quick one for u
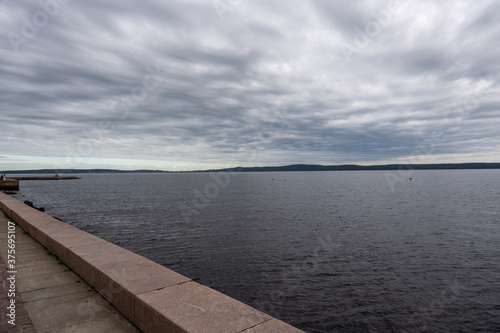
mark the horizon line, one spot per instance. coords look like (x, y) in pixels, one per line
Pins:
(299, 165)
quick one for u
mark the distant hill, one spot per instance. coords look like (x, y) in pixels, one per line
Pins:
(353, 167)
(295, 167)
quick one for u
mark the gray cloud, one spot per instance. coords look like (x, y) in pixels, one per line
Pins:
(268, 84)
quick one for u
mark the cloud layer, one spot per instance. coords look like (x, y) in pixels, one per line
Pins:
(199, 84)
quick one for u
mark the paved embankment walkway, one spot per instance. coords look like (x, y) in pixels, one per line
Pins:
(50, 297)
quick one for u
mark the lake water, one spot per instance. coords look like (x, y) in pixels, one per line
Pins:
(323, 251)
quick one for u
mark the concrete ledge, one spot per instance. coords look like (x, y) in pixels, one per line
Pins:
(4, 207)
(191, 307)
(153, 297)
(9, 203)
(60, 240)
(123, 281)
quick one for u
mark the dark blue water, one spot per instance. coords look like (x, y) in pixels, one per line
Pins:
(324, 251)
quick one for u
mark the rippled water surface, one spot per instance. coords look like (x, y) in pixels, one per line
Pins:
(324, 251)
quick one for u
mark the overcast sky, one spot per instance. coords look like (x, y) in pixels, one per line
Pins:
(197, 84)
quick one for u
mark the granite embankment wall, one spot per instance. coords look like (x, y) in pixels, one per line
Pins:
(153, 297)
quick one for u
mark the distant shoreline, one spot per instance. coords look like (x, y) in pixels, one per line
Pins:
(295, 167)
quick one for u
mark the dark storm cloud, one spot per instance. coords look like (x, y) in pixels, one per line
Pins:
(318, 82)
